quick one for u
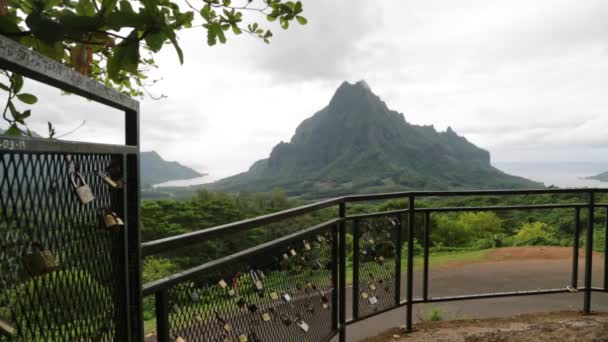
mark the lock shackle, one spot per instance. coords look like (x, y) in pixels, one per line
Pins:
(106, 211)
(74, 176)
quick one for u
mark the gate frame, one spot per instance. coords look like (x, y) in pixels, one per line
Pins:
(17, 58)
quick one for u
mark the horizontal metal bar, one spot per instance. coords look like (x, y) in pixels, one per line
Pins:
(376, 214)
(40, 145)
(29, 63)
(177, 278)
(177, 241)
(451, 193)
(506, 207)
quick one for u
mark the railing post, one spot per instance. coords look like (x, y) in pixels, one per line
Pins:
(132, 197)
(606, 252)
(575, 247)
(342, 277)
(334, 278)
(356, 251)
(425, 274)
(399, 244)
(410, 261)
(162, 316)
(589, 254)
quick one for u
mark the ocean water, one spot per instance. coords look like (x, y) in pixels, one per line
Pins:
(561, 174)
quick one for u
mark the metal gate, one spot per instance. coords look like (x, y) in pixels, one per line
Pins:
(66, 259)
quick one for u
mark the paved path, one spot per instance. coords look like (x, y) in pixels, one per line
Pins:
(490, 277)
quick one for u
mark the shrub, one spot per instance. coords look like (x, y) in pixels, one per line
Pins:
(535, 234)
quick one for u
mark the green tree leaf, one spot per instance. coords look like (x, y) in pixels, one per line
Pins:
(125, 57)
(27, 98)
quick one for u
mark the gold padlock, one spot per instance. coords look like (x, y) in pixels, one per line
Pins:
(40, 261)
(110, 221)
(82, 189)
(179, 339)
(7, 329)
(243, 338)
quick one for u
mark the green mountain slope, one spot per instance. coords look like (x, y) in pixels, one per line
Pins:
(602, 177)
(356, 144)
(154, 169)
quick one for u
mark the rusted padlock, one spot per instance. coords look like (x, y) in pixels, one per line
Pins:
(7, 329)
(82, 189)
(110, 221)
(40, 261)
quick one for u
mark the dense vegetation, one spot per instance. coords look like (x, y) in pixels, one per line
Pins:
(449, 231)
(357, 144)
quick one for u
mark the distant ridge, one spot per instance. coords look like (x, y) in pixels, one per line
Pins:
(356, 144)
(155, 170)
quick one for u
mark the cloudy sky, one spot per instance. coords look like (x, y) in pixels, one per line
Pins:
(526, 80)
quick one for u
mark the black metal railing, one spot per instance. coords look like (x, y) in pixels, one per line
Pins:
(379, 281)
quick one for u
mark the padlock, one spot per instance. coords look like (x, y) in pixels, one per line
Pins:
(241, 302)
(194, 296)
(256, 281)
(231, 292)
(176, 309)
(107, 179)
(373, 300)
(274, 295)
(364, 295)
(243, 338)
(380, 259)
(223, 284)
(40, 261)
(82, 189)
(303, 325)
(110, 221)
(226, 325)
(293, 252)
(266, 317)
(306, 245)
(286, 319)
(7, 329)
(372, 287)
(286, 297)
(285, 256)
(179, 339)
(252, 308)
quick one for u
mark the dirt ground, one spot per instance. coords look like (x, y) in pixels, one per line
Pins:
(561, 326)
(503, 269)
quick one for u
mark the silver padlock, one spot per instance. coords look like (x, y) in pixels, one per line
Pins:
(82, 189)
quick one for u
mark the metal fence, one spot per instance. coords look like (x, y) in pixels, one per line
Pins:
(69, 215)
(371, 277)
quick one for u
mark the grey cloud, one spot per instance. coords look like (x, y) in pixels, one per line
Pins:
(323, 49)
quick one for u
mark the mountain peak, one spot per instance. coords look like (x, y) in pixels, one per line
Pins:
(349, 94)
(357, 144)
